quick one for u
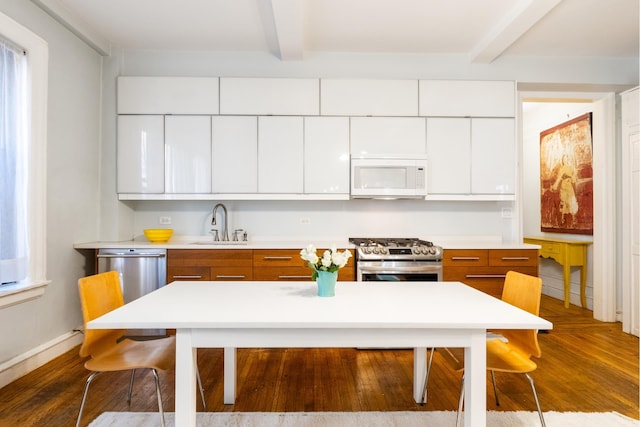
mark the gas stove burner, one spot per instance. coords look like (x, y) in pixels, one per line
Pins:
(411, 249)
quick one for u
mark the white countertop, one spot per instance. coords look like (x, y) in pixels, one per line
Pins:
(206, 242)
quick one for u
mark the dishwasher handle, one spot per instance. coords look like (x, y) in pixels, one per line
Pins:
(131, 255)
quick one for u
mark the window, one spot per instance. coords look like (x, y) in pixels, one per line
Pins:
(23, 123)
(14, 144)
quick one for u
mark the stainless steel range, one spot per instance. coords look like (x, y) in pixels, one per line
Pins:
(397, 259)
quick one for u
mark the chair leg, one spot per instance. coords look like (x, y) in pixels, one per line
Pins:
(426, 377)
(133, 373)
(535, 396)
(495, 389)
(204, 404)
(460, 402)
(84, 395)
(155, 375)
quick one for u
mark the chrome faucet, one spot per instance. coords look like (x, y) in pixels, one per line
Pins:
(225, 231)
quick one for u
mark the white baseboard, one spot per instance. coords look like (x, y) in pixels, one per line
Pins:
(24, 363)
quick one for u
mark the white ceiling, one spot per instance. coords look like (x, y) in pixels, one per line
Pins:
(294, 29)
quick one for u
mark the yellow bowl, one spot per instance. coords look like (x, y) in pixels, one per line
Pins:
(157, 235)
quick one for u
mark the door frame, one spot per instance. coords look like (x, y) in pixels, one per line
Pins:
(605, 229)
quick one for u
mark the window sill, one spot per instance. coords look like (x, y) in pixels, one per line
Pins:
(17, 293)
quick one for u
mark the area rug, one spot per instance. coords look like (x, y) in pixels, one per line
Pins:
(368, 419)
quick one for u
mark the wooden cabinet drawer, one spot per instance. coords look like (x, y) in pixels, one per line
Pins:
(513, 257)
(275, 273)
(487, 279)
(465, 257)
(231, 273)
(187, 273)
(277, 258)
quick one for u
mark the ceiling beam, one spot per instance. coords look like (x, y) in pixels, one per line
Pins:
(282, 21)
(78, 27)
(524, 15)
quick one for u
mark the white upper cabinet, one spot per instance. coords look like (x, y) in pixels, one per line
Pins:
(235, 154)
(493, 170)
(280, 142)
(167, 95)
(187, 154)
(388, 135)
(367, 97)
(269, 96)
(471, 159)
(140, 154)
(448, 156)
(326, 155)
(464, 98)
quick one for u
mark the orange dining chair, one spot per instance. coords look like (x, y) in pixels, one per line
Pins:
(508, 350)
(513, 352)
(108, 350)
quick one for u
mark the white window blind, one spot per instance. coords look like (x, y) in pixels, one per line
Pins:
(14, 166)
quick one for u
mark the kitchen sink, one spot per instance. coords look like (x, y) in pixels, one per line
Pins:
(220, 242)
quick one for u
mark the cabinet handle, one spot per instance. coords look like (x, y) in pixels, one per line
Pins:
(187, 277)
(293, 277)
(277, 258)
(230, 277)
(486, 276)
(515, 258)
(465, 258)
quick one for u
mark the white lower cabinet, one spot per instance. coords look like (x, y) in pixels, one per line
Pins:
(187, 154)
(280, 155)
(326, 155)
(234, 154)
(471, 158)
(140, 154)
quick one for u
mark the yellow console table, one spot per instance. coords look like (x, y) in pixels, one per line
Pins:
(567, 253)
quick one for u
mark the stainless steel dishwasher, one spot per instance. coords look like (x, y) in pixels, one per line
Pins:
(141, 271)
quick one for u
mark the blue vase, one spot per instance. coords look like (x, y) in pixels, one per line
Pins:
(327, 283)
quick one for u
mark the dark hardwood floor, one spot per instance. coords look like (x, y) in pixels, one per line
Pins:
(586, 366)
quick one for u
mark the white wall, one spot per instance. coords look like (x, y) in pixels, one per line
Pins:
(73, 136)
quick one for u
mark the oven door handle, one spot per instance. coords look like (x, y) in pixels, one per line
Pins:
(400, 270)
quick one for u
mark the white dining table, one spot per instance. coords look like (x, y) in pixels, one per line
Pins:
(232, 315)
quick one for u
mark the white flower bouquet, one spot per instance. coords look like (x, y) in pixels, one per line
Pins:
(331, 260)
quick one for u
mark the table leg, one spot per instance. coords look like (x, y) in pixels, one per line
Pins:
(230, 375)
(567, 283)
(186, 359)
(419, 372)
(475, 381)
(583, 280)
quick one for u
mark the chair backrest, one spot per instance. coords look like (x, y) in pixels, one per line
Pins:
(524, 292)
(99, 294)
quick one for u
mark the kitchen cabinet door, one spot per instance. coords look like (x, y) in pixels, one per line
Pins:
(493, 156)
(280, 142)
(140, 154)
(234, 154)
(167, 95)
(269, 96)
(188, 154)
(326, 155)
(388, 135)
(449, 156)
(369, 97)
(467, 98)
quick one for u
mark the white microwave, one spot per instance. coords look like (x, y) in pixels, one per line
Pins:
(389, 177)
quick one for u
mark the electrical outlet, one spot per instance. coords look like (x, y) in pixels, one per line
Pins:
(305, 221)
(165, 220)
(507, 213)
